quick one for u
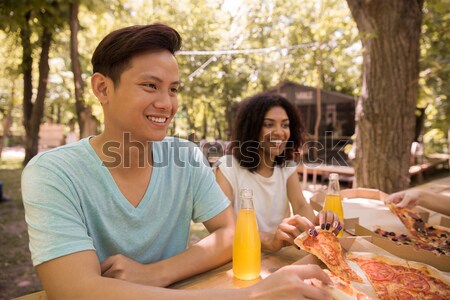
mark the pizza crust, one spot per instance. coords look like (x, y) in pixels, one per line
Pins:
(380, 258)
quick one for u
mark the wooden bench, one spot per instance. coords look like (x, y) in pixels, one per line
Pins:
(347, 173)
(430, 163)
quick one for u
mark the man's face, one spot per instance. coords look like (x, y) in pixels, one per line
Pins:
(144, 102)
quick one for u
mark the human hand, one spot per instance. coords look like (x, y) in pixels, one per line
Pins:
(288, 230)
(121, 267)
(329, 220)
(404, 199)
(291, 282)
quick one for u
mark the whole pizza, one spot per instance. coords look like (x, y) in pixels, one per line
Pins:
(399, 279)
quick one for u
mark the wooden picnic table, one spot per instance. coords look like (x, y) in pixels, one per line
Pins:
(369, 212)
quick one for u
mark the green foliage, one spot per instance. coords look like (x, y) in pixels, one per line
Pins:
(435, 74)
(320, 31)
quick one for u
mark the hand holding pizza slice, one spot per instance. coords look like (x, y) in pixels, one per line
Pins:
(328, 249)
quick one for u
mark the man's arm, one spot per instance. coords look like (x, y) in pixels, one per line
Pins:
(77, 276)
(212, 251)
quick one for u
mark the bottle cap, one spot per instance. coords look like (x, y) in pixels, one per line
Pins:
(333, 176)
(246, 193)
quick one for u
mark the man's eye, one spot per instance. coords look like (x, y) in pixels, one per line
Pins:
(174, 90)
(150, 85)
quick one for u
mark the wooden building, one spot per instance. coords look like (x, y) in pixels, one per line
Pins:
(338, 110)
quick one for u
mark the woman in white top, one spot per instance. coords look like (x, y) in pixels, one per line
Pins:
(266, 137)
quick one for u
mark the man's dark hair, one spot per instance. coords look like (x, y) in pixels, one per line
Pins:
(248, 124)
(112, 56)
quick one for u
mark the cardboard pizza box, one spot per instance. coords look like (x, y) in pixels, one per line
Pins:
(445, 221)
(364, 211)
(407, 252)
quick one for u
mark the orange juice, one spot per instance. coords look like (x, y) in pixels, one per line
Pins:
(246, 246)
(334, 203)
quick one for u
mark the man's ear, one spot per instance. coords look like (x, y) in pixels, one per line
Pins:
(101, 86)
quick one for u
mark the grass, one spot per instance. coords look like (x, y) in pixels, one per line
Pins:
(17, 276)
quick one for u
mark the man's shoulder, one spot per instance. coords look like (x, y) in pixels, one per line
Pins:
(67, 154)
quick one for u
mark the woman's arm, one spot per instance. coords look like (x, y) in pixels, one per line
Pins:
(328, 220)
(224, 185)
(298, 202)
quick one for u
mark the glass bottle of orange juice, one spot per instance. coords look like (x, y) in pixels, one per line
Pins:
(333, 200)
(246, 244)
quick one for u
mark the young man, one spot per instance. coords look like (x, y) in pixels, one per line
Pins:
(109, 216)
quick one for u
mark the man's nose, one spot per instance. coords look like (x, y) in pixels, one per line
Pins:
(164, 101)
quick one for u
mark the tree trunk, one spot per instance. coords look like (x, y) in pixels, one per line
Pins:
(76, 69)
(385, 112)
(32, 134)
(7, 118)
(27, 68)
(318, 106)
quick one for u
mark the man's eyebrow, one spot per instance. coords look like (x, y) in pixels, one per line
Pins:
(149, 76)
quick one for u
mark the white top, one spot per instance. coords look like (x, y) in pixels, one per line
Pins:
(269, 193)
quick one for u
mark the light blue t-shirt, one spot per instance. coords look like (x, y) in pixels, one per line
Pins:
(73, 204)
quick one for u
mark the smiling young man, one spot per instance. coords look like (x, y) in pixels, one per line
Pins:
(109, 216)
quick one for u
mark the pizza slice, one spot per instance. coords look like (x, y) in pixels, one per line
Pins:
(412, 221)
(394, 278)
(328, 249)
(439, 234)
(432, 235)
(336, 293)
(346, 287)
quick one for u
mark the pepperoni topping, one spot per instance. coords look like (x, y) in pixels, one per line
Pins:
(378, 271)
(401, 295)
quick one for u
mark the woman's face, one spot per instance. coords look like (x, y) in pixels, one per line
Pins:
(275, 132)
